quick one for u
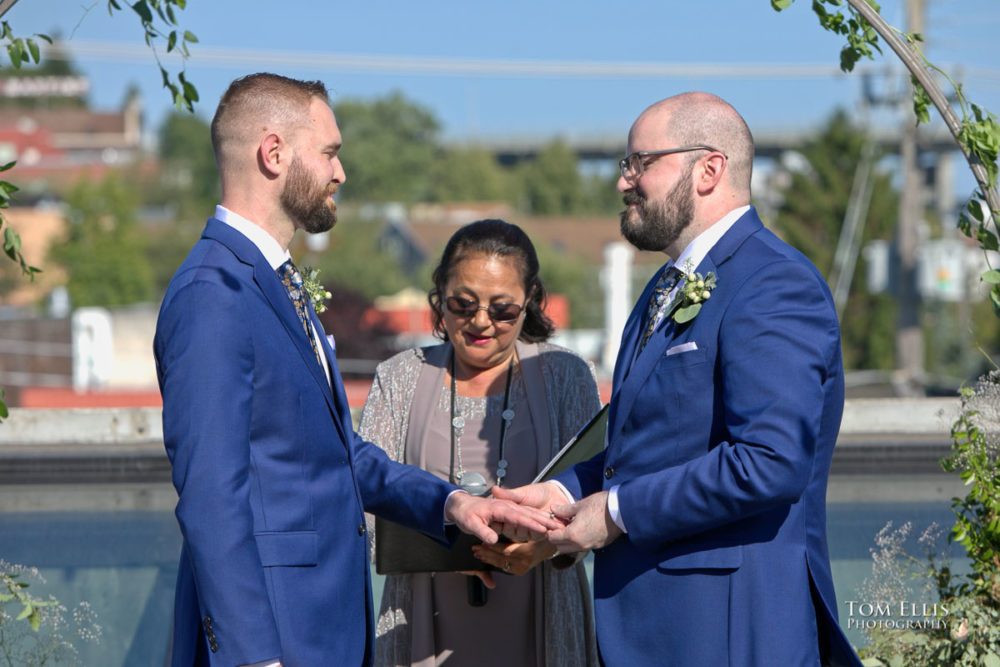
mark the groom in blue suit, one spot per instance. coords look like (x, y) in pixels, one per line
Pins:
(706, 511)
(272, 481)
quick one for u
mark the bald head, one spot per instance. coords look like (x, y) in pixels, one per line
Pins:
(254, 105)
(692, 119)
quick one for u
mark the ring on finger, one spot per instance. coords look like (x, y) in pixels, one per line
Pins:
(506, 566)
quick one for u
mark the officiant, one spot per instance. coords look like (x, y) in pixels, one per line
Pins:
(490, 405)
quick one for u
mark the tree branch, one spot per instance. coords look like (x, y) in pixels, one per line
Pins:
(915, 63)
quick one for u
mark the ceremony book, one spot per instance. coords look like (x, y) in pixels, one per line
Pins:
(400, 550)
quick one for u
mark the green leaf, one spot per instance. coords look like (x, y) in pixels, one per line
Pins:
(26, 612)
(976, 209)
(35, 620)
(36, 54)
(991, 660)
(687, 313)
(190, 36)
(992, 277)
(778, 5)
(11, 241)
(171, 41)
(142, 9)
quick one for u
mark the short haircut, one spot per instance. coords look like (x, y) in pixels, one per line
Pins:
(258, 101)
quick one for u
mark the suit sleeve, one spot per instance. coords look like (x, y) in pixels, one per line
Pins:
(205, 359)
(778, 350)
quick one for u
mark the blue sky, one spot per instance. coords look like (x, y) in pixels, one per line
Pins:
(507, 43)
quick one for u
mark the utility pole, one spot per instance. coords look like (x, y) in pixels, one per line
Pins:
(909, 379)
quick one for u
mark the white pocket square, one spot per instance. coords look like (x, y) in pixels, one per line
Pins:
(683, 347)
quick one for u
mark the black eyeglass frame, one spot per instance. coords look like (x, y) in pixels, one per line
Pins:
(626, 168)
(451, 303)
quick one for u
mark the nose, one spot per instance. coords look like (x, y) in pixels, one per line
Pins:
(481, 319)
(339, 175)
(622, 185)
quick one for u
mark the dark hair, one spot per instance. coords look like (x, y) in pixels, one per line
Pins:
(495, 238)
(252, 98)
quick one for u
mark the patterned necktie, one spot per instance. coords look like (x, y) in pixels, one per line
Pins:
(292, 280)
(658, 302)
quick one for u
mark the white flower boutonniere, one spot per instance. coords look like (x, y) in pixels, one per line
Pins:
(694, 293)
(314, 289)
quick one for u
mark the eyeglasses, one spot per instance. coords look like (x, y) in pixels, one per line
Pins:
(633, 165)
(498, 312)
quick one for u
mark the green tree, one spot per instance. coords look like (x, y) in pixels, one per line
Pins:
(551, 183)
(576, 279)
(810, 218)
(186, 190)
(470, 174)
(389, 148)
(189, 175)
(355, 260)
(103, 253)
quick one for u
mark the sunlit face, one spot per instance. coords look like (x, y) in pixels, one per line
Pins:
(654, 224)
(480, 343)
(659, 204)
(314, 173)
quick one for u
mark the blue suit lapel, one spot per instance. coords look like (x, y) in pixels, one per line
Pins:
(336, 392)
(627, 347)
(277, 296)
(629, 382)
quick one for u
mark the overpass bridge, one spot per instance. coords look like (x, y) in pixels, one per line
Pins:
(770, 143)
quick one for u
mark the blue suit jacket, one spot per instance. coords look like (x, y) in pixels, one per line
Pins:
(272, 480)
(720, 435)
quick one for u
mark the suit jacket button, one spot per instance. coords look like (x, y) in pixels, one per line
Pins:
(361, 529)
(609, 472)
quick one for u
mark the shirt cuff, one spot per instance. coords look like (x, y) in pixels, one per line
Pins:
(569, 496)
(446, 522)
(613, 509)
(266, 663)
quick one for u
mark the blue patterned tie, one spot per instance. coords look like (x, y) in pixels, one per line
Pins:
(292, 280)
(658, 302)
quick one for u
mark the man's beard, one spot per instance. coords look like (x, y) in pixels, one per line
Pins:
(656, 225)
(306, 202)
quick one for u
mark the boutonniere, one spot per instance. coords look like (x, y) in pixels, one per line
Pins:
(314, 289)
(696, 290)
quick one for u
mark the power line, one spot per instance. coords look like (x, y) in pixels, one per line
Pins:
(203, 56)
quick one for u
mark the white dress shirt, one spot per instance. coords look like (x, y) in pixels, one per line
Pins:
(688, 261)
(275, 256)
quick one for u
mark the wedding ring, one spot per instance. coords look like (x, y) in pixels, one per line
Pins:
(552, 515)
(506, 566)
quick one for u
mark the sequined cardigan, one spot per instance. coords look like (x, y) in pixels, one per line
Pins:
(572, 399)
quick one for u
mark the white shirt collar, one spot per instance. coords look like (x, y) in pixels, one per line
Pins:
(270, 248)
(700, 246)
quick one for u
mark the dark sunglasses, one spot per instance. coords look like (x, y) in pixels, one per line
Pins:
(498, 312)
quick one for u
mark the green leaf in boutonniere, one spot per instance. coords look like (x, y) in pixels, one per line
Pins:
(314, 289)
(696, 291)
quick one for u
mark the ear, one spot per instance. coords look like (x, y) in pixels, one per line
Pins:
(272, 154)
(710, 172)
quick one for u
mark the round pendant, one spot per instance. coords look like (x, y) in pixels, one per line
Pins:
(502, 464)
(458, 421)
(501, 473)
(508, 414)
(474, 483)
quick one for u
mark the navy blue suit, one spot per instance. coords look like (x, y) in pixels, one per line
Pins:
(720, 435)
(272, 480)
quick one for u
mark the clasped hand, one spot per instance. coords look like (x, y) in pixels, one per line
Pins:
(583, 525)
(486, 517)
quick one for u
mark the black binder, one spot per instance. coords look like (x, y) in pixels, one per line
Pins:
(400, 550)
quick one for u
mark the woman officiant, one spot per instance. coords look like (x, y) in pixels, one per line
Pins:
(489, 405)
